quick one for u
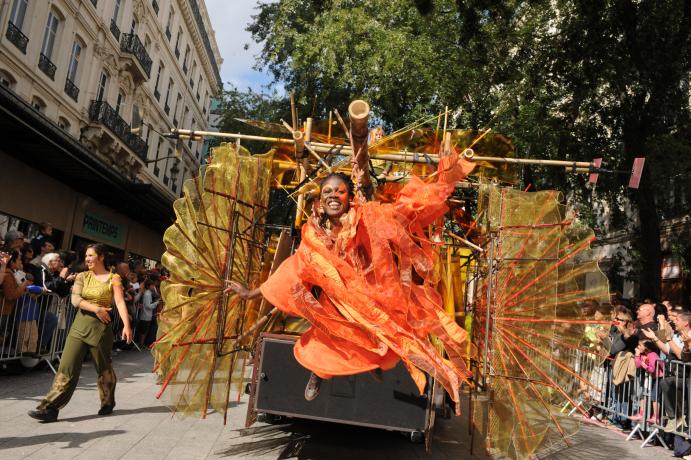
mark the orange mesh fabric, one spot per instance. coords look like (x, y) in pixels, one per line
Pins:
(377, 278)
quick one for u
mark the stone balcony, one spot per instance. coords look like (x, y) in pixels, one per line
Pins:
(135, 58)
(112, 136)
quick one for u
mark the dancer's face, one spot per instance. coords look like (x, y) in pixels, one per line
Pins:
(334, 197)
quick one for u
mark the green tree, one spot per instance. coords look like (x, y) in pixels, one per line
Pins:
(566, 79)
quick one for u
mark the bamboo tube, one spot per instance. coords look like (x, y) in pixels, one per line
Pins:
(446, 149)
(298, 137)
(308, 130)
(358, 111)
(306, 146)
(303, 174)
(571, 169)
(466, 242)
(328, 136)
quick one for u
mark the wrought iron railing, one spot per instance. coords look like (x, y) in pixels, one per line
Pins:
(71, 89)
(102, 112)
(47, 66)
(154, 3)
(16, 37)
(130, 43)
(114, 29)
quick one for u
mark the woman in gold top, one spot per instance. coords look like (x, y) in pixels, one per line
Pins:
(92, 295)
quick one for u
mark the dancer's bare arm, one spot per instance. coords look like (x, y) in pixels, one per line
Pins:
(242, 291)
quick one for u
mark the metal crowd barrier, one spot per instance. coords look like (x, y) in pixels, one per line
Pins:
(652, 404)
(34, 326)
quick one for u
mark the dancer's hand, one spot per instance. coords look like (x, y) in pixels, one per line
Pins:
(127, 334)
(237, 288)
(103, 314)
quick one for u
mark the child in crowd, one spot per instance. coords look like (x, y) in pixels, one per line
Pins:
(29, 311)
(147, 311)
(647, 357)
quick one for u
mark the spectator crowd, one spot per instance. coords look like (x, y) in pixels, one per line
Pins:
(34, 273)
(644, 379)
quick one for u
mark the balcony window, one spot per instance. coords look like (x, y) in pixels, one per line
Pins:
(114, 29)
(16, 37)
(18, 13)
(49, 35)
(75, 55)
(131, 44)
(47, 66)
(101, 112)
(71, 89)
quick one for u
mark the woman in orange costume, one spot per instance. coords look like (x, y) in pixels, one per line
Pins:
(376, 300)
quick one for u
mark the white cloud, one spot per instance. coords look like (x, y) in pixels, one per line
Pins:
(229, 19)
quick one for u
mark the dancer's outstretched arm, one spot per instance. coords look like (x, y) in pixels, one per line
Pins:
(243, 292)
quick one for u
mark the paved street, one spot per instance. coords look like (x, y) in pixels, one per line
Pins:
(142, 427)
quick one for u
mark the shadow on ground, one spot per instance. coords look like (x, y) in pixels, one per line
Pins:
(72, 439)
(305, 439)
(117, 412)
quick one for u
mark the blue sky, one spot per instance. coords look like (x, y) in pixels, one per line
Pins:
(229, 19)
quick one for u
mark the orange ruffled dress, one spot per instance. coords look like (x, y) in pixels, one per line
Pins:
(377, 277)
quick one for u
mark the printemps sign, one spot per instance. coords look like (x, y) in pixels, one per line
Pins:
(102, 229)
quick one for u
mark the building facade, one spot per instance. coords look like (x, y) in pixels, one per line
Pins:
(215, 122)
(88, 88)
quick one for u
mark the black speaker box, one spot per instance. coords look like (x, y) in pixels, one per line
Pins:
(389, 400)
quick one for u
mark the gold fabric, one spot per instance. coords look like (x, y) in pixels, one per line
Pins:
(545, 272)
(201, 353)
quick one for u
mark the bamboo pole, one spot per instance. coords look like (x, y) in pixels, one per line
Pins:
(358, 111)
(398, 156)
(343, 125)
(293, 111)
(303, 174)
(446, 119)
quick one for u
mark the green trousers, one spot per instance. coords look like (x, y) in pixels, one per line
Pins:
(71, 366)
